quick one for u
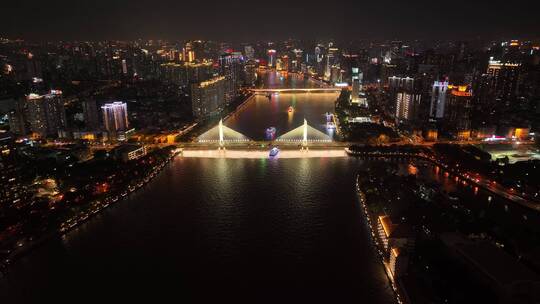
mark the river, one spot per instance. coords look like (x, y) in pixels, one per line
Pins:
(247, 230)
(256, 228)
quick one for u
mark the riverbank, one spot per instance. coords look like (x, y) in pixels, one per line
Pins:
(397, 287)
(465, 178)
(92, 209)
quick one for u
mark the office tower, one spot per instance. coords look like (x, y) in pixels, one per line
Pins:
(271, 58)
(90, 113)
(457, 113)
(504, 80)
(45, 113)
(250, 73)
(438, 99)
(356, 84)
(348, 62)
(189, 53)
(18, 123)
(298, 60)
(331, 61)
(124, 67)
(279, 64)
(231, 68)
(282, 63)
(249, 51)
(336, 75)
(33, 67)
(208, 98)
(115, 117)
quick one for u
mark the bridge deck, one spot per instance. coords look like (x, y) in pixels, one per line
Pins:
(296, 90)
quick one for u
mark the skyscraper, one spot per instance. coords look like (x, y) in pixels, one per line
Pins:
(438, 99)
(90, 113)
(504, 79)
(457, 114)
(356, 84)
(407, 104)
(231, 68)
(208, 98)
(18, 123)
(250, 73)
(249, 51)
(45, 113)
(331, 61)
(115, 117)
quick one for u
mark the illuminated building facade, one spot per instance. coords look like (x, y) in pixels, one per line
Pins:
(504, 80)
(356, 84)
(115, 117)
(457, 114)
(250, 73)
(231, 68)
(45, 113)
(407, 104)
(208, 98)
(249, 51)
(183, 74)
(396, 241)
(438, 99)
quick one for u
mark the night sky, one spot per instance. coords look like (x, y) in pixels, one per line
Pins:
(240, 20)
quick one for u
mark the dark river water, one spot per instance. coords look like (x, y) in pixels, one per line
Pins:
(250, 230)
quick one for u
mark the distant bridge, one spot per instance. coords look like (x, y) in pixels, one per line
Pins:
(295, 90)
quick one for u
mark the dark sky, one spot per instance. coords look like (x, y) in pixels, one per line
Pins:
(240, 20)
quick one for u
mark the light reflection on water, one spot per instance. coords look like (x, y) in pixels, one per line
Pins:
(263, 112)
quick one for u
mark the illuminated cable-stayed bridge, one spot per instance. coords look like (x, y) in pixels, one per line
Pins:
(297, 90)
(304, 135)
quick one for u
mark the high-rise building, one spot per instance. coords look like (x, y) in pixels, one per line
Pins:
(438, 99)
(90, 114)
(249, 51)
(271, 58)
(18, 124)
(457, 114)
(115, 117)
(45, 113)
(331, 61)
(297, 61)
(356, 84)
(407, 104)
(504, 79)
(208, 98)
(250, 73)
(189, 53)
(336, 74)
(231, 68)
